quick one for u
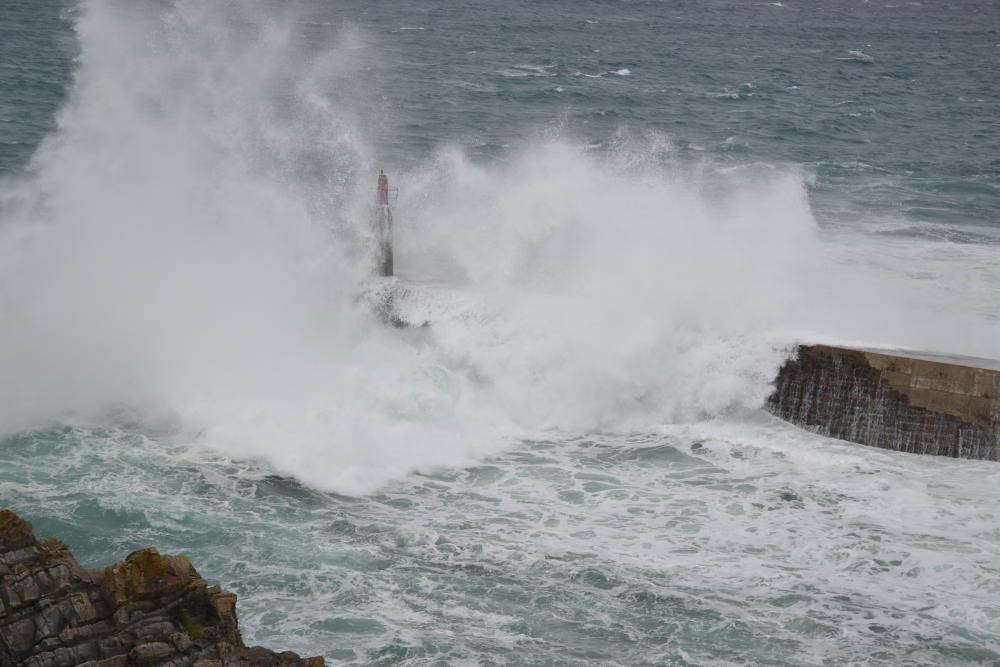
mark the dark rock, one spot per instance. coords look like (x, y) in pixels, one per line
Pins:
(15, 532)
(149, 609)
(904, 401)
(150, 654)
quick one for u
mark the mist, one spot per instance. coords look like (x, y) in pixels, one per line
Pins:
(189, 247)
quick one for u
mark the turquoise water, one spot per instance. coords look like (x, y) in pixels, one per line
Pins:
(725, 544)
(616, 217)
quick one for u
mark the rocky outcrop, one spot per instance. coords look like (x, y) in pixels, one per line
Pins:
(149, 609)
(904, 401)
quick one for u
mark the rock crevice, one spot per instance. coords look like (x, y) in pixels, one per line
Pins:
(149, 609)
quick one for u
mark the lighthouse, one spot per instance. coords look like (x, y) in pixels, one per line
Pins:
(382, 228)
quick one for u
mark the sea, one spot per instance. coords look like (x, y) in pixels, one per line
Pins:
(614, 220)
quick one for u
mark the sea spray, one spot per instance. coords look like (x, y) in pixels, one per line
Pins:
(191, 252)
(613, 280)
(588, 259)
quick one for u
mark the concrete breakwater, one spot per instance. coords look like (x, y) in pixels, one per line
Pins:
(916, 402)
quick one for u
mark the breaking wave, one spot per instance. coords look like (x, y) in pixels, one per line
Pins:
(186, 251)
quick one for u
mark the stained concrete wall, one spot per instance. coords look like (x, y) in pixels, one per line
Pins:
(916, 402)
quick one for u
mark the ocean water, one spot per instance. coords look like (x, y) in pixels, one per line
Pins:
(617, 219)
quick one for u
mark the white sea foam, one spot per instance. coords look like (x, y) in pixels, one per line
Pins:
(784, 541)
(859, 56)
(520, 71)
(175, 255)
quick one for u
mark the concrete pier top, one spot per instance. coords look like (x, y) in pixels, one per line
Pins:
(914, 401)
(936, 357)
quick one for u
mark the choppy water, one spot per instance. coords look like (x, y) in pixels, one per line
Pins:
(740, 543)
(617, 215)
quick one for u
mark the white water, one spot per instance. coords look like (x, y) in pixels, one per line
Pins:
(725, 543)
(188, 249)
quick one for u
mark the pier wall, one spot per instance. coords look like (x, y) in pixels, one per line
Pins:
(904, 401)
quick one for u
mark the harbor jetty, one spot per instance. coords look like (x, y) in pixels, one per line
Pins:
(906, 401)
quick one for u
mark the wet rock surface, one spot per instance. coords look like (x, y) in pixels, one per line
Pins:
(149, 609)
(909, 402)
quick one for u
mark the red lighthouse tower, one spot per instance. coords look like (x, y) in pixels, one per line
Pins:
(382, 223)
